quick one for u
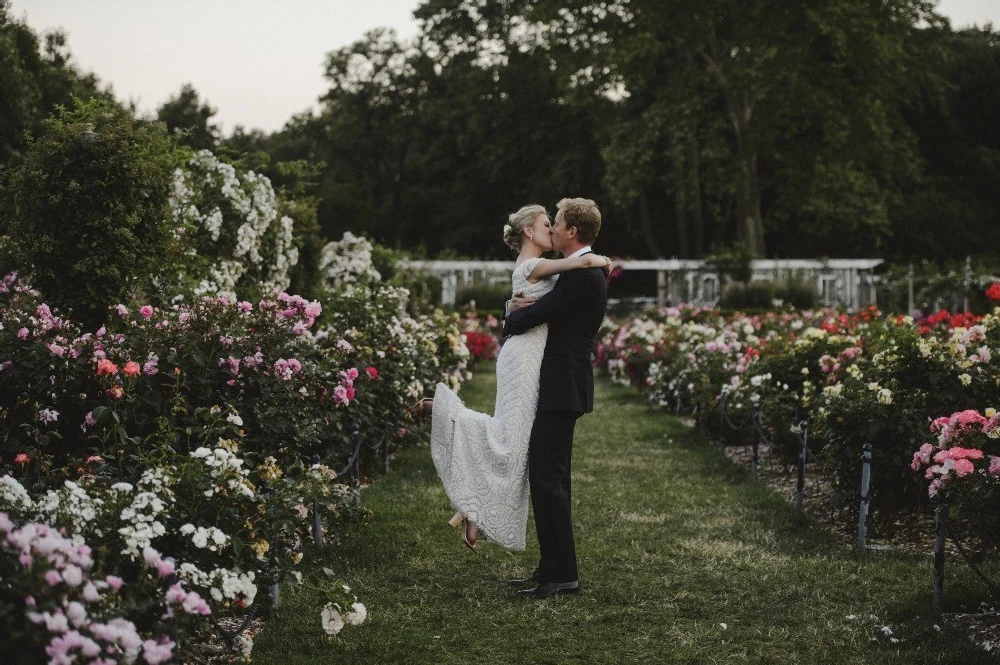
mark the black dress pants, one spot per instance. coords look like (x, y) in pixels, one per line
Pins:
(550, 451)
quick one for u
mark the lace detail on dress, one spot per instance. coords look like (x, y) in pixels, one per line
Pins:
(483, 460)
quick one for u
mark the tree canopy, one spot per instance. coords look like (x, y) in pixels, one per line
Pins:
(821, 129)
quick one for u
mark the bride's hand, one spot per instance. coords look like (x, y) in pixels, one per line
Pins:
(600, 261)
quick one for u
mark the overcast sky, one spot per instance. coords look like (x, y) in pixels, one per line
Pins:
(256, 61)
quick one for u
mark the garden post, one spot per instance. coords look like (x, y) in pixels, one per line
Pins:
(722, 417)
(356, 467)
(275, 594)
(800, 481)
(755, 446)
(909, 290)
(317, 523)
(967, 282)
(940, 517)
(661, 288)
(866, 470)
(385, 451)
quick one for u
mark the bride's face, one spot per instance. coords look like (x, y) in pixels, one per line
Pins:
(540, 232)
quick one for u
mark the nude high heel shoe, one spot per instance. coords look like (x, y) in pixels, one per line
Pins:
(469, 532)
(421, 408)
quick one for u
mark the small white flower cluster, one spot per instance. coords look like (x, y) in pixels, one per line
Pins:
(346, 264)
(225, 467)
(73, 506)
(13, 497)
(211, 538)
(262, 244)
(222, 584)
(334, 618)
(141, 523)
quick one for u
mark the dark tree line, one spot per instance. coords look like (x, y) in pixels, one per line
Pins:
(827, 128)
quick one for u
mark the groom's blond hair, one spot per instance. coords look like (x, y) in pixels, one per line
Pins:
(584, 215)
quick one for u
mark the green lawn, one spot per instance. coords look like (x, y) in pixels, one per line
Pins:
(683, 559)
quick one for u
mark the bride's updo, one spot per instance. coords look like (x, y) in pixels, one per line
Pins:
(517, 222)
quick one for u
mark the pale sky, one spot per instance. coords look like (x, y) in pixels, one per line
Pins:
(257, 62)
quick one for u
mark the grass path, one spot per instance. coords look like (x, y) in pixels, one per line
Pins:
(683, 559)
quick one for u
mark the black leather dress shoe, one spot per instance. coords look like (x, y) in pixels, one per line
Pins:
(533, 577)
(551, 589)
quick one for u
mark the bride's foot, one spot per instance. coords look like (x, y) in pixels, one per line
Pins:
(469, 531)
(470, 536)
(422, 408)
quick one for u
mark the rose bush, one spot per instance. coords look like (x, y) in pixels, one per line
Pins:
(962, 465)
(180, 439)
(854, 379)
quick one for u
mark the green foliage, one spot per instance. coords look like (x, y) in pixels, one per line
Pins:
(486, 297)
(89, 204)
(34, 80)
(189, 119)
(765, 295)
(939, 285)
(732, 263)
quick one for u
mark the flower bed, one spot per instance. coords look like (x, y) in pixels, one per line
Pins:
(158, 471)
(853, 379)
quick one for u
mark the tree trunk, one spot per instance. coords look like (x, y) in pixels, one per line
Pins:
(680, 209)
(697, 210)
(646, 224)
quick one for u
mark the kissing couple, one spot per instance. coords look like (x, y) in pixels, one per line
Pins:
(491, 464)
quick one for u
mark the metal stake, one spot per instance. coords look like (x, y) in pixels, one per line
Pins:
(866, 470)
(800, 483)
(940, 517)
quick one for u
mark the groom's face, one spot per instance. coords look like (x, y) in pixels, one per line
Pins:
(561, 236)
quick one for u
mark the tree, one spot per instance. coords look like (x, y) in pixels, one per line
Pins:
(89, 203)
(784, 115)
(190, 119)
(33, 81)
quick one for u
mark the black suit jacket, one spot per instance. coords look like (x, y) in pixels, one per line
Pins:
(574, 310)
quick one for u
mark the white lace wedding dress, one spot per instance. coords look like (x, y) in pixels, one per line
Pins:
(483, 460)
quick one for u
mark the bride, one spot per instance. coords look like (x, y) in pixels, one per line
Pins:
(481, 459)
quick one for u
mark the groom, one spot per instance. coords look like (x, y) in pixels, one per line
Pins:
(574, 310)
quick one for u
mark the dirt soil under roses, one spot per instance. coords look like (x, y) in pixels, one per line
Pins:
(913, 533)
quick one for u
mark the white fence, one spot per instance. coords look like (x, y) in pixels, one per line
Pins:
(848, 283)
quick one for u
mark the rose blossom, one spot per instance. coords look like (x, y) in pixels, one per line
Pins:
(994, 466)
(106, 368)
(146, 311)
(131, 368)
(963, 467)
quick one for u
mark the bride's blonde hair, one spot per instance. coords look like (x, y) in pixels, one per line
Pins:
(517, 222)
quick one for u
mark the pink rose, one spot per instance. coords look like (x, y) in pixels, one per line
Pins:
(22, 334)
(22, 458)
(963, 467)
(994, 466)
(146, 311)
(131, 368)
(106, 368)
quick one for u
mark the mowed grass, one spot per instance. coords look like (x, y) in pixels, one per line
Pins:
(683, 559)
